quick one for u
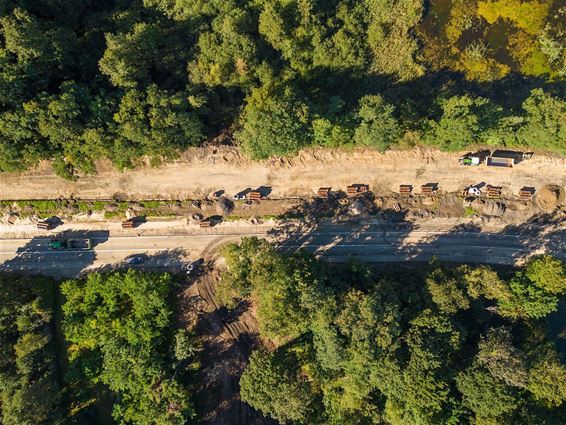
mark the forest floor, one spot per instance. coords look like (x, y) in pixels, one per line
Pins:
(202, 171)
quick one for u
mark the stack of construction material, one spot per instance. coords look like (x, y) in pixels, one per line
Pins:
(526, 193)
(44, 225)
(128, 224)
(355, 189)
(254, 195)
(428, 189)
(494, 191)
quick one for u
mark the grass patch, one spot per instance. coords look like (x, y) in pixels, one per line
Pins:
(84, 207)
(469, 211)
(151, 204)
(260, 217)
(99, 206)
(113, 214)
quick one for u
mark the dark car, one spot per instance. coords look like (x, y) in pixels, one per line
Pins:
(135, 259)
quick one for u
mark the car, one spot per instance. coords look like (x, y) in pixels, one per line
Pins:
(239, 197)
(135, 259)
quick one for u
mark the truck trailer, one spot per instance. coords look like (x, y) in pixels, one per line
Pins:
(498, 161)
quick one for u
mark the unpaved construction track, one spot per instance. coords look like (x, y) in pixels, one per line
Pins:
(228, 340)
(201, 171)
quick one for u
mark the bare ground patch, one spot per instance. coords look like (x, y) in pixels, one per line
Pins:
(201, 171)
(228, 339)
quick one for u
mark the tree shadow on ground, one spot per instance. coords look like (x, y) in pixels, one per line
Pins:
(168, 260)
(387, 235)
(35, 257)
(417, 97)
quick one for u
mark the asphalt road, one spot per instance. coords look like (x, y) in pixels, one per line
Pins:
(338, 242)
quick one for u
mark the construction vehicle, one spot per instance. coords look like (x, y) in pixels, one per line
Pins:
(506, 158)
(469, 160)
(471, 191)
(62, 244)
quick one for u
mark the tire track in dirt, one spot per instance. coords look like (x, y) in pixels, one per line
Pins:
(228, 340)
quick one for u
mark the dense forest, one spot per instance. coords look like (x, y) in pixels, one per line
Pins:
(125, 79)
(30, 385)
(349, 344)
(114, 353)
(428, 345)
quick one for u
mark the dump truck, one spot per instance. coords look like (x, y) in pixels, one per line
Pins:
(62, 244)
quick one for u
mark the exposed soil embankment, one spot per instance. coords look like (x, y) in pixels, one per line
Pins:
(201, 171)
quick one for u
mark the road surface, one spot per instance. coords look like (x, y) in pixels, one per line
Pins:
(371, 243)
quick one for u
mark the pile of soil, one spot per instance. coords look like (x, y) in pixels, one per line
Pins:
(224, 206)
(450, 205)
(550, 197)
(488, 207)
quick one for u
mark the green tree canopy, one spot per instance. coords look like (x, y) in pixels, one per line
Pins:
(465, 121)
(392, 347)
(269, 385)
(543, 125)
(274, 125)
(378, 127)
(119, 322)
(30, 391)
(156, 123)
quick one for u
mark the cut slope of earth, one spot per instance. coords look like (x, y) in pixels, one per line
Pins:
(200, 172)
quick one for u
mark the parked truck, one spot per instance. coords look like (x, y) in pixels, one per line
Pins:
(469, 160)
(62, 244)
(497, 161)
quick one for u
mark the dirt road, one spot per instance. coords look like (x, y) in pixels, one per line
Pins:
(201, 171)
